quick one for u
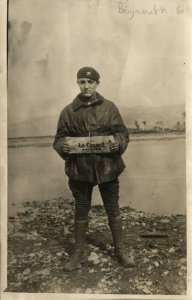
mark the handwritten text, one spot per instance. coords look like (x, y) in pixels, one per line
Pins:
(124, 8)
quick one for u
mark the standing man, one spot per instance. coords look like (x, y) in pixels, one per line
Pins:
(90, 114)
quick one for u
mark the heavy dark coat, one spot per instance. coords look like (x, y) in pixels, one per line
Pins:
(100, 118)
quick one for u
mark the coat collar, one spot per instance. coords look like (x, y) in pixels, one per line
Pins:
(78, 101)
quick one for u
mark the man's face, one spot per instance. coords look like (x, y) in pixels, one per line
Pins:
(87, 86)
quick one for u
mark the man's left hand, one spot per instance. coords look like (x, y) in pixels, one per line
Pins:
(114, 147)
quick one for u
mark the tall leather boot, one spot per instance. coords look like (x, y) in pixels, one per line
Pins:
(115, 224)
(80, 254)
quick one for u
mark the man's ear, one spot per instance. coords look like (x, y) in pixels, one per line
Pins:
(98, 82)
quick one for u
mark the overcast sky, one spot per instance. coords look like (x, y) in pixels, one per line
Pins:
(140, 57)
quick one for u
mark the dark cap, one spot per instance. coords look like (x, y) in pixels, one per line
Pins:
(88, 72)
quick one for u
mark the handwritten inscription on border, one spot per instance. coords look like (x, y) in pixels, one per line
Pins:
(125, 9)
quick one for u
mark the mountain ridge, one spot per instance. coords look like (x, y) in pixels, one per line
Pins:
(149, 117)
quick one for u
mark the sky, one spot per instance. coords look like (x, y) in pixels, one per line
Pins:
(139, 49)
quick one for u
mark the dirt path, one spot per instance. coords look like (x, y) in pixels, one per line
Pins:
(41, 240)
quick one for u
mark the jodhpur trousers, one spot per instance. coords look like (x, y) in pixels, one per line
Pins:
(82, 193)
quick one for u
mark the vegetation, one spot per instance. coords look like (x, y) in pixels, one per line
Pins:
(159, 127)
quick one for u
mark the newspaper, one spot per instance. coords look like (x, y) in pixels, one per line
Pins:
(90, 144)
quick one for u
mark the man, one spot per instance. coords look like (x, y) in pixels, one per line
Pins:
(90, 114)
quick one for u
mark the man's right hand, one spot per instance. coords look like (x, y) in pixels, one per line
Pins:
(65, 148)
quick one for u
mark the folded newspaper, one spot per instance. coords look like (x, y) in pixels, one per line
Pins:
(92, 144)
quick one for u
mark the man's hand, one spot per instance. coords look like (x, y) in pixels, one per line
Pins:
(65, 148)
(114, 147)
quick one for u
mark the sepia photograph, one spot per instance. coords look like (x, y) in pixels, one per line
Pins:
(96, 148)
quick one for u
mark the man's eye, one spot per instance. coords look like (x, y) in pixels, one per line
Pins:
(84, 82)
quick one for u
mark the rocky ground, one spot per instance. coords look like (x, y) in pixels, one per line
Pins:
(40, 241)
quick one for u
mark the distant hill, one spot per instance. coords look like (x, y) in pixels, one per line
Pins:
(42, 126)
(168, 116)
(164, 116)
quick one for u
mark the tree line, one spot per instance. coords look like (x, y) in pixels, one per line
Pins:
(160, 126)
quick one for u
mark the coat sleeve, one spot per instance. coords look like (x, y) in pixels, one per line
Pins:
(62, 133)
(119, 130)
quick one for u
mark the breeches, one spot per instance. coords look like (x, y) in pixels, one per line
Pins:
(82, 193)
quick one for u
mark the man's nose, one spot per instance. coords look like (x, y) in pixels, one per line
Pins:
(86, 84)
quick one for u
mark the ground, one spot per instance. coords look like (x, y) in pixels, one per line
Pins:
(40, 241)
